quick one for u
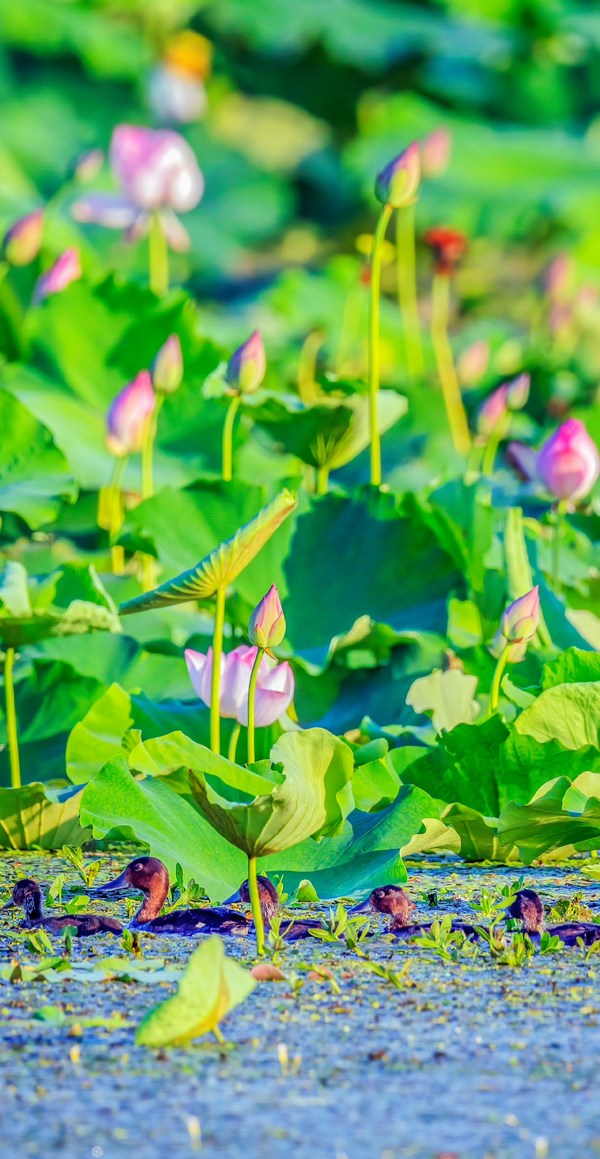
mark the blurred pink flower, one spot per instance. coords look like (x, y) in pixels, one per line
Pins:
(167, 367)
(510, 396)
(568, 463)
(398, 183)
(274, 690)
(247, 365)
(128, 414)
(66, 269)
(473, 362)
(22, 242)
(435, 152)
(158, 173)
(267, 622)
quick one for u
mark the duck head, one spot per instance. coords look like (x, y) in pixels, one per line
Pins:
(148, 875)
(392, 900)
(528, 909)
(268, 896)
(27, 893)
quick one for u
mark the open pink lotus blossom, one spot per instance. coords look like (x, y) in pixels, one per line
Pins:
(568, 463)
(66, 269)
(129, 412)
(158, 174)
(274, 690)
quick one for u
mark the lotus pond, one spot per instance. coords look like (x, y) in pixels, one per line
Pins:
(299, 572)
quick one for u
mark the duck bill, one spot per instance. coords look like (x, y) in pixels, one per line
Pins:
(8, 905)
(234, 897)
(361, 907)
(119, 882)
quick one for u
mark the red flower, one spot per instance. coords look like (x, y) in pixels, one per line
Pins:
(448, 247)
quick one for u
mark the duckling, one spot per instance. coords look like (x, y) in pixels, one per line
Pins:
(28, 894)
(528, 909)
(269, 904)
(151, 877)
(393, 900)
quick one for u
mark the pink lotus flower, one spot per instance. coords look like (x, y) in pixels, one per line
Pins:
(128, 415)
(158, 173)
(66, 269)
(435, 152)
(247, 365)
(274, 690)
(267, 622)
(167, 368)
(494, 412)
(398, 184)
(568, 463)
(22, 242)
(518, 626)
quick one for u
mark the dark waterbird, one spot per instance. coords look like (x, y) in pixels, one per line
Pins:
(150, 877)
(28, 894)
(395, 902)
(270, 905)
(527, 908)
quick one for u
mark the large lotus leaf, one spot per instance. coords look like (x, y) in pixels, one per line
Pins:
(69, 601)
(41, 817)
(477, 835)
(526, 764)
(223, 565)
(150, 812)
(568, 713)
(312, 798)
(35, 477)
(573, 666)
(464, 767)
(329, 432)
(449, 696)
(211, 986)
(564, 814)
(165, 754)
(363, 557)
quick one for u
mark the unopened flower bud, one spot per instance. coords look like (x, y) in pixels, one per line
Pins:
(247, 365)
(267, 622)
(398, 184)
(22, 242)
(167, 368)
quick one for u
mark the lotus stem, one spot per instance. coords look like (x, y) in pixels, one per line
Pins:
(150, 430)
(407, 289)
(232, 410)
(488, 461)
(557, 534)
(256, 910)
(159, 257)
(307, 366)
(233, 741)
(497, 680)
(322, 480)
(374, 344)
(215, 687)
(11, 719)
(251, 704)
(455, 410)
(115, 502)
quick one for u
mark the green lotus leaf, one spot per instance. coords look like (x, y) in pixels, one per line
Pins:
(34, 475)
(69, 601)
(41, 817)
(223, 565)
(563, 815)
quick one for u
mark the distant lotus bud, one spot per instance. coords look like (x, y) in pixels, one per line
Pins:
(493, 411)
(473, 362)
(129, 414)
(568, 463)
(518, 626)
(448, 247)
(66, 269)
(247, 365)
(435, 152)
(87, 166)
(167, 368)
(517, 392)
(23, 240)
(398, 184)
(559, 277)
(267, 622)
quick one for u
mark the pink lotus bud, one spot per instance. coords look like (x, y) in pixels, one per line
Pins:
(398, 184)
(473, 362)
(568, 463)
(517, 392)
(167, 368)
(435, 152)
(129, 414)
(267, 622)
(156, 168)
(22, 242)
(493, 411)
(247, 365)
(518, 626)
(274, 689)
(66, 269)
(88, 165)
(559, 277)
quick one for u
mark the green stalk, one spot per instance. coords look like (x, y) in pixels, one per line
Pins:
(11, 719)
(497, 680)
(557, 534)
(251, 703)
(215, 687)
(374, 347)
(117, 554)
(455, 410)
(148, 482)
(233, 741)
(322, 480)
(491, 450)
(407, 289)
(256, 910)
(232, 410)
(158, 257)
